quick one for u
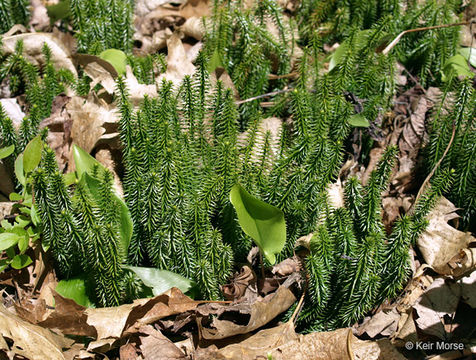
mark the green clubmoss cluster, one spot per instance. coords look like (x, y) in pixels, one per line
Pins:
(13, 12)
(102, 24)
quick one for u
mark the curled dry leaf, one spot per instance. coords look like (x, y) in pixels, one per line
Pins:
(441, 242)
(462, 263)
(33, 44)
(194, 28)
(242, 282)
(382, 323)
(335, 193)
(30, 341)
(259, 313)
(88, 116)
(438, 301)
(13, 111)
(154, 345)
(178, 64)
(143, 7)
(39, 15)
(107, 325)
(282, 343)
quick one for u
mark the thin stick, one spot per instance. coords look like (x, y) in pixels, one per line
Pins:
(298, 307)
(263, 96)
(397, 39)
(285, 76)
(430, 175)
(261, 264)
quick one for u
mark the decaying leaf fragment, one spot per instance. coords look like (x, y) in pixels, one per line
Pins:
(282, 343)
(31, 341)
(33, 45)
(441, 242)
(260, 312)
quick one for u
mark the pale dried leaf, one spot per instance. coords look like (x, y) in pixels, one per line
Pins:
(88, 117)
(383, 323)
(460, 264)
(33, 44)
(156, 346)
(39, 15)
(193, 27)
(144, 7)
(335, 194)
(30, 341)
(282, 343)
(178, 64)
(441, 242)
(437, 301)
(13, 111)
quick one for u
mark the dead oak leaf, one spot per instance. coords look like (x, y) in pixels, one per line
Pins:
(258, 313)
(440, 242)
(30, 341)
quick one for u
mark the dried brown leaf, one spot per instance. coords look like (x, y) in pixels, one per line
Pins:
(154, 345)
(282, 343)
(33, 44)
(441, 242)
(382, 323)
(30, 341)
(259, 313)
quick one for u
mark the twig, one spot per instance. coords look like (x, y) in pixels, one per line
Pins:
(298, 307)
(430, 175)
(285, 76)
(214, 301)
(273, 93)
(397, 39)
(415, 80)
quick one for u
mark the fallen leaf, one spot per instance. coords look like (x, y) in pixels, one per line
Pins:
(33, 44)
(258, 313)
(178, 64)
(287, 266)
(461, 263)
(242, 282)
(13, 111)
(282, 343)
(156, 346)
(88, 116)
(440, 242)
(30, 341)
(39, 15)
(382, 323)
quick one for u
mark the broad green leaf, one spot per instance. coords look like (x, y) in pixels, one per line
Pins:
(337, 55)
(456, 65)
(469, 54)
(263, 222)
(4, 263)
(125, 229)
(358, 120)
(7, 240)
(23, 243)
(84, 162)
(69, 178)
(59, 11)
(15, 196)
(32, 154)
(75, 289)
(215, 62)
(22, 221)
(6, 151)
(161, 280)
(6, 224)
(19, 173)
(116, 58)
(35, 218)
(20, 261)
